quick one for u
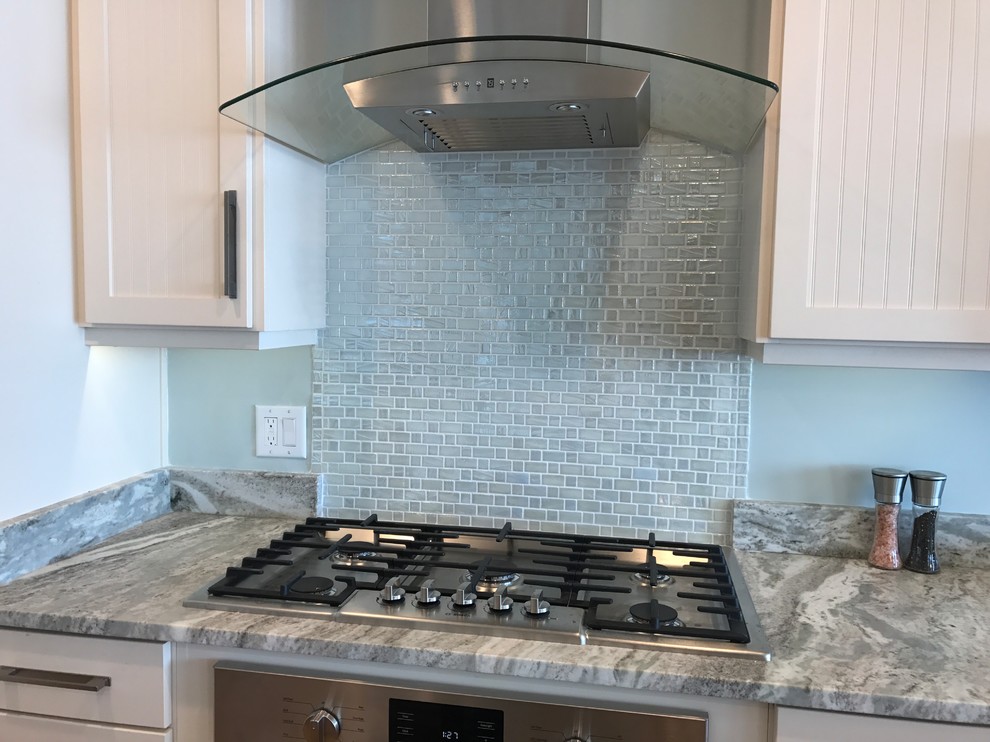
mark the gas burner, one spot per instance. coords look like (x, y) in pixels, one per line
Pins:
(492, 582)
(354, 555)
(496, 575)
(643, 579)
(643, 613)
(322, 586)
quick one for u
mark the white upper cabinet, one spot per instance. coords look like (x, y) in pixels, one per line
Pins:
(881, 206)
(165, 258)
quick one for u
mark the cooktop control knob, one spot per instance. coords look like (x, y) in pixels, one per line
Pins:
(426, 596)
(500, 602)
(462, 598)
(392, 593)
(536, 606)
(321, 726)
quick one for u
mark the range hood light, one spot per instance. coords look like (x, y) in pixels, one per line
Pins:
(567, 107)
(423, 112)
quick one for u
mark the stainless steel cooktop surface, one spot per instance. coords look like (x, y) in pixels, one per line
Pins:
(540, 585)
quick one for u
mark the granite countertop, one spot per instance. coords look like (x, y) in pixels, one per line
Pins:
(845, 637)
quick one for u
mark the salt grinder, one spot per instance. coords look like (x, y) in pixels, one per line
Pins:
(888, 486)
(926, 496)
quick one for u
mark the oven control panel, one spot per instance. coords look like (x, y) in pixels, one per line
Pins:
(411, 720)
(260, 705)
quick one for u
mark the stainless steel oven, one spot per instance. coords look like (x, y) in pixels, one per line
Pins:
(257, 704)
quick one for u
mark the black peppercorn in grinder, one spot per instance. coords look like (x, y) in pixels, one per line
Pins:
(926, 496)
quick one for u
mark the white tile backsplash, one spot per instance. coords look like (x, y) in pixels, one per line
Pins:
(547, 338)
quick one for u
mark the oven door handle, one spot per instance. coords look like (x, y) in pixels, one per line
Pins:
(51, 679)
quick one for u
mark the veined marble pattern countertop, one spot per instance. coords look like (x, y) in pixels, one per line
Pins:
(845, 637)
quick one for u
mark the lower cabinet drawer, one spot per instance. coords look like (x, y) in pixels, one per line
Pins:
(44, 729)
(110, 681)
(804, 725)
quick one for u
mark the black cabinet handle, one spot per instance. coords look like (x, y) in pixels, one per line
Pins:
(49, 679)
(230, 244)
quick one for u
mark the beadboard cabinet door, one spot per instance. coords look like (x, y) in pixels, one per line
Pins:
(882, 220)
(149, 154)
(165, 256)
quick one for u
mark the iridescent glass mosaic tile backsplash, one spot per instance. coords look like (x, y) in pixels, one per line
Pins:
(547, 338)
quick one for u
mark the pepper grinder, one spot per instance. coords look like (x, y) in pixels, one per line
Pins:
(926, 497)
(888, 486)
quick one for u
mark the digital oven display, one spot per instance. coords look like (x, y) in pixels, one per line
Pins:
(416, 721)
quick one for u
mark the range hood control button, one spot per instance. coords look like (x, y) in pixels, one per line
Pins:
(392, 593)
(426, 596)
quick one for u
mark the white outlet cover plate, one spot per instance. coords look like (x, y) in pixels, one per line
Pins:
(288, 440)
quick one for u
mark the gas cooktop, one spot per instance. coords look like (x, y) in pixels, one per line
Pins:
(541, 585)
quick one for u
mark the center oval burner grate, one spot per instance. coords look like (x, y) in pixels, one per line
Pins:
(643, 613)
(314, 586)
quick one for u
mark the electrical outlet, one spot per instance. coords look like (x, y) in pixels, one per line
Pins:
(271, 431)
(280, 431)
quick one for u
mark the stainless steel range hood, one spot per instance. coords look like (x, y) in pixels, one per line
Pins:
(472, 87)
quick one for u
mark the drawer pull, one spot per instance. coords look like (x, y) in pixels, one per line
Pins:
(49, 679)
(230, 244)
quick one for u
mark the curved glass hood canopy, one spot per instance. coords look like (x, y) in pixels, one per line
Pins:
(494, 93)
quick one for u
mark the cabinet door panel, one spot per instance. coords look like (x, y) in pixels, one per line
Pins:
(38, 728)
(138, 691)
(148, 165)
(802, 725)
(881, 230)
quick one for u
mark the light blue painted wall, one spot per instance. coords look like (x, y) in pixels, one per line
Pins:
(816, 432)
(212, 394)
